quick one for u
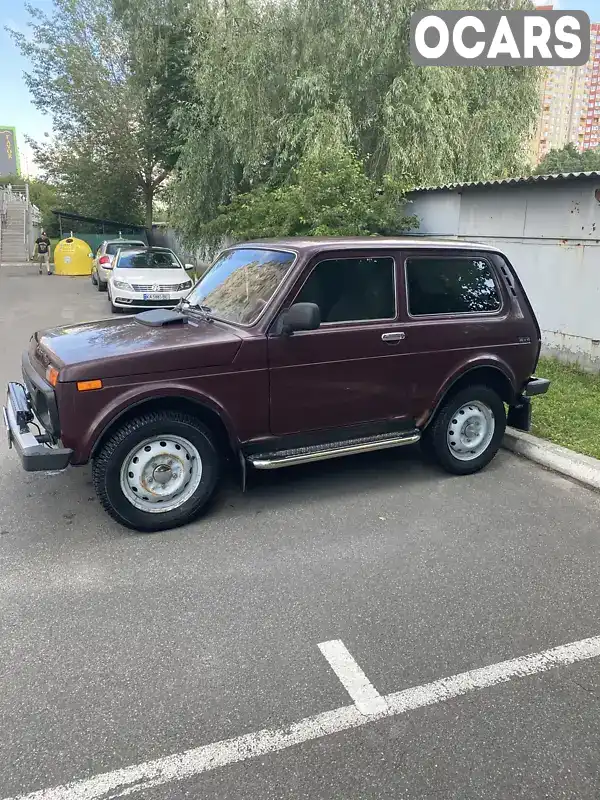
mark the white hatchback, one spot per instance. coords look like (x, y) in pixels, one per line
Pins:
(152, 277)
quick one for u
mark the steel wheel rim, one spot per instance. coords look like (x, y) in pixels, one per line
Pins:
(161, 473)
(470, 430)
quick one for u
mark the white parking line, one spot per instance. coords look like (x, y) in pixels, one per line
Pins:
(366, 697)
(176, 767)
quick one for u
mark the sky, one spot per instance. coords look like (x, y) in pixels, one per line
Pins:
(16, 108)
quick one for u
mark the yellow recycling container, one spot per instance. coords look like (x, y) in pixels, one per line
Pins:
(72, 257)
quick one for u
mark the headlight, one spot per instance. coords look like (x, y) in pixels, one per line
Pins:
(123, 285)
(183, 286)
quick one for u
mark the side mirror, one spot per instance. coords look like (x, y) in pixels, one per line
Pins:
(301, 317)
(189, 266)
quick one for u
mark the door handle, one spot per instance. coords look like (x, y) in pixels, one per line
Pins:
(393, 337)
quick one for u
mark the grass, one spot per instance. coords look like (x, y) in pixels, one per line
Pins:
(569, 414)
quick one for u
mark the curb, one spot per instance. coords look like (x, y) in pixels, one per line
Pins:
(582, 469)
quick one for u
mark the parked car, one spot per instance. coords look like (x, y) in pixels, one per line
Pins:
(149, 278)
(284, 353)
(103, 261)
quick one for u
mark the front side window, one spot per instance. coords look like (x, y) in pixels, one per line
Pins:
(352, 289)
(241, 282)
(447, 285)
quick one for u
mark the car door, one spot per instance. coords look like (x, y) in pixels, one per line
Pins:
(455, 313)
(347, 372)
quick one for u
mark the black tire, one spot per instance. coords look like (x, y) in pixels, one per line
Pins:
(114, 309)
(102, 286)
(94, 279)
(107, 470)
(435, 439)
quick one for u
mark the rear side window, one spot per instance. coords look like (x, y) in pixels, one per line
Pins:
(447, 285)
(352, 289)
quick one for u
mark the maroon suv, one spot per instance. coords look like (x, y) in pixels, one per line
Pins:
(285, 352)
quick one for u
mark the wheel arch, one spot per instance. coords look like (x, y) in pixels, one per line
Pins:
(487, 374)
(197, 407)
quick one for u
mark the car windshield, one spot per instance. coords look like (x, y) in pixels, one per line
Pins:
(240, 283)
(149, 259)
(114, 247)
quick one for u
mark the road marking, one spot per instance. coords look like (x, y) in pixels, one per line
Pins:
(366, 697)
(177, 767)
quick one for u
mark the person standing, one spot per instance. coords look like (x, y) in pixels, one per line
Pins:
(42, 251)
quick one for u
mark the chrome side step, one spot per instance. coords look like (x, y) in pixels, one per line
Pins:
(304, 455)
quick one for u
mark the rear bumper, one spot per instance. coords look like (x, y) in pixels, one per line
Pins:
(536, 386)
(519, 414)
(102, 274)
(34, 450)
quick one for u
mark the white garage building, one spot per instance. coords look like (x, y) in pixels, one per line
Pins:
(549, 227)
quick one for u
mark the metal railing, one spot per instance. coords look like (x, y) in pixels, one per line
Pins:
(3, 216)
(16, 191)
(19, 194)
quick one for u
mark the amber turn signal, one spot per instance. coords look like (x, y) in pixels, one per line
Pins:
(52, 376)
(88, 386)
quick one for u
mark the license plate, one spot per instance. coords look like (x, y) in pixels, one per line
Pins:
(156, 296)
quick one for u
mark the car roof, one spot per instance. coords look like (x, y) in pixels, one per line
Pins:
(151, 250)
(125, 241)
(310, 243)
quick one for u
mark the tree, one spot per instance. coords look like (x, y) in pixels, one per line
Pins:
(110, 75)
(328, 195)
(269, 73)
(569, 159)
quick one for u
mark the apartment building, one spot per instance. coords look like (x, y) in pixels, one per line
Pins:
(589, 128)
(570, 104)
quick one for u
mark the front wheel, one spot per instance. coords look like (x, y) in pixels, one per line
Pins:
(467, 431)
(158, 471)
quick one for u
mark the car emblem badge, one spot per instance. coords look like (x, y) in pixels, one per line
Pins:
(155, 288)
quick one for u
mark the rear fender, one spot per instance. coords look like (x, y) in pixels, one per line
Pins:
(491, 369)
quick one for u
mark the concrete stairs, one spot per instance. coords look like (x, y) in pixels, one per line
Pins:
(13, 247)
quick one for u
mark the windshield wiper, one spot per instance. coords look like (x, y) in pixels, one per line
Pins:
(204, 310)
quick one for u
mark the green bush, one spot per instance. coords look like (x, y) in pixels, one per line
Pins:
(330, 194)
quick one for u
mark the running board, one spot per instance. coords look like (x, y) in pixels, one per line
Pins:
(304, 455)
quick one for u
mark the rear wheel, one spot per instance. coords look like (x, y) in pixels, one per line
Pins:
(158, 471)
(467, 431)
(101, 285)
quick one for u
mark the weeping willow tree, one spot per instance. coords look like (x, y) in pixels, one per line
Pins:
(269, 76)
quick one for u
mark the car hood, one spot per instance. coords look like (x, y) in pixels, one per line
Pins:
(116, 347)
(151, 277)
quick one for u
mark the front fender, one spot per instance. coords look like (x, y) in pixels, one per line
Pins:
(112, 412)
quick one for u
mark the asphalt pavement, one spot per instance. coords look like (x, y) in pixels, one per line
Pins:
(121, 648)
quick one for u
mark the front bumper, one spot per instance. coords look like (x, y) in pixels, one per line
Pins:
(36, 451)
(125, 299)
